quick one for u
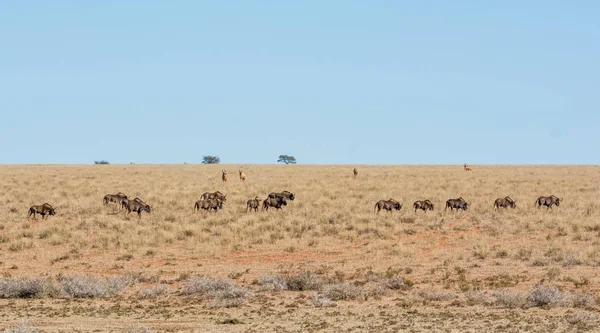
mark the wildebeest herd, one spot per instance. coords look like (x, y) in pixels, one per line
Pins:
(214, 201)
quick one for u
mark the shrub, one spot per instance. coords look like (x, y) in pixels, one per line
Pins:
(343, 291)
(23, 327)
(101, 162)
(581, 300)
(154, 291)
(223, 293)
(27, 288)
(509, 299)
(438, 295)
(85, 286)
(547, 296)
(272, 283)
(305, 280)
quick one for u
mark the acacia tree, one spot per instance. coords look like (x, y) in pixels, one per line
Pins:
(286, 159)
(211, 160)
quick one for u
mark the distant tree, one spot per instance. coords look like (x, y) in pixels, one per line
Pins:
(286, 159)
(101, 162)
(211, 160)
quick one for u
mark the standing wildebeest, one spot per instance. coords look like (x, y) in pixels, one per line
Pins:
(285, 194)
(467, 167)
(355, 172)
(209, 204)
(423, 205)
(387, 205)
(114, 198)
(214, 195)
(45, 209)
(224, 175)
(457, 204)
(242, 176)
(276, 202)
(547, 201)
(136, 206)
(252, 204)
(505, 203)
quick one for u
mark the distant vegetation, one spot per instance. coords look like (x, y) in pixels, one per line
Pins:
(286, 159)
(101, 162)
(211, 160)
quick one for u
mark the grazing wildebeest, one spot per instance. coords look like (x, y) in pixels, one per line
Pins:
(467, 167)
(388, 205)
(423, 205)
(242, 176)
(114, 198)
(457, 204)
(276, 202)
(44, 209)
(505, 203)
(547, 201)
(285, 194)
(209, 204)
(355, 172)
(136, 206)
(213, 195)
(253, 204)
(224, 175)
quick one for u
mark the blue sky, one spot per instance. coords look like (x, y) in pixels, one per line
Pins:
(330, 82)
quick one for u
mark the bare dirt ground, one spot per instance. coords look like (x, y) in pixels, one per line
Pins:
(326, 262)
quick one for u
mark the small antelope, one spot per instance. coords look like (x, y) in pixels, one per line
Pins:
(355, 172)
(242, 176)
(467, 167)
(224, 175)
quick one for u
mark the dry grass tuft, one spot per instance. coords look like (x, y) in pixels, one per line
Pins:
(222, 292)
(87, 286)
(27, 288)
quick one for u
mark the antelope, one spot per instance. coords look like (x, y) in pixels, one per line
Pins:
(467, 167)
(547, 201)
(242, 176)
(355, 172)
(44, 209)
(388, 205)
(224, 175)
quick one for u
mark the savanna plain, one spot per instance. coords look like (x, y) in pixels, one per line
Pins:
(325, 262)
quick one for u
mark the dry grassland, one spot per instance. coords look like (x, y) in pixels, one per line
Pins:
(324, 263)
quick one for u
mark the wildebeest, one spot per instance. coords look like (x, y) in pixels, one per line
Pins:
(467, 167)
(224, 175)
(213, 195)
(285, 194)
(114, 198)
(276, 202)
(355, 172)
(253, 204)
(242, 176)
(457, 204)
(505, 203)
(547, 201)
(136, 206)
(44, 209)
(209, 204)
(423, 205)
(388, 205)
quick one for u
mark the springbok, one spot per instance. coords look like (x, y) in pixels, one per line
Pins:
(224, 175)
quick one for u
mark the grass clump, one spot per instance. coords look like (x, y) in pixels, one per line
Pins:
(343, 291)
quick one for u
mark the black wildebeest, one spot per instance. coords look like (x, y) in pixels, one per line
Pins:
(457, 204)
(44, 209)
(136, 206)
(505, 203)
(423, 205)
(285, 194)
(276, 202)
(355, 172)
(209, 204)
(388, 205)
(252, 204)
(547, 201)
